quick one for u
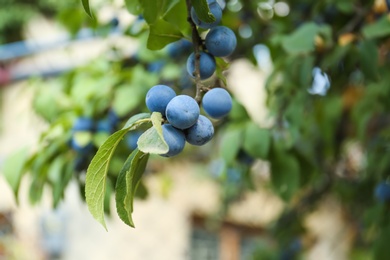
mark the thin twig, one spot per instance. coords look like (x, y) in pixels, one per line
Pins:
(197, 42)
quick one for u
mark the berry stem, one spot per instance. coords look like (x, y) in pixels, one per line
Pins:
(197, 42)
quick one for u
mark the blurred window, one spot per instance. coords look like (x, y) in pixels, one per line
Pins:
(229, 242)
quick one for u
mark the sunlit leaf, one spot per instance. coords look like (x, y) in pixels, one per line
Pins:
(152, 140)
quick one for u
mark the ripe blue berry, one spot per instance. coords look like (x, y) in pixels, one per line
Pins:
(132, 139)
(382, 191)
(217, 103)
(221, 41)
(207, 65)
(81, 148)
(215, 9)
(83, 124)
(201, 132)
(174, 138)
(158, 98)
(105, 126)
(182, 111)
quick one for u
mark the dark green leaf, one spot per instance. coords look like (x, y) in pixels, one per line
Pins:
(121, 190)
(284, 173)
(133, 178)
(86, 7)
(203, 11)
(381, 245)
(368, 54)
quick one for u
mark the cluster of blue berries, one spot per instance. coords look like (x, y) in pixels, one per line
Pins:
(220, 41)
(83, 130)
(182, 114)
(382, 191)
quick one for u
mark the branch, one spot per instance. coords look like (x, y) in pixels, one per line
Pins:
(197, 42)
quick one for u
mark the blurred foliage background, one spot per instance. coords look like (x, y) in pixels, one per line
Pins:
(327, 97)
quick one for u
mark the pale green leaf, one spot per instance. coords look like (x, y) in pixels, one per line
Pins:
(152, 140)
(301, 40)
(13, 169)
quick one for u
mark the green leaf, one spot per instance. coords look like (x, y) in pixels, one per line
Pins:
(305, 70)
(368, 54)
(177, 16)
(127, 98)
(378, 29)
(152, 9)
(301, 40)
(133, 178)
(55, 169)
(152, 140)
(136, 120)
(95, 184)
(257, 141)
(66, 173)
(284, 173)
(162, 33)
(345, 6)
(13, 169)
(238, 112)
(381, 246)
(127, 183)
(121, 190)
(155, 9)
(222, 65)
(203, 11)
(231, 143)
(86, 7)
(133, 6)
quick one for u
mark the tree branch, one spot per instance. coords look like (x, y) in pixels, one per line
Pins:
(197, 42)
